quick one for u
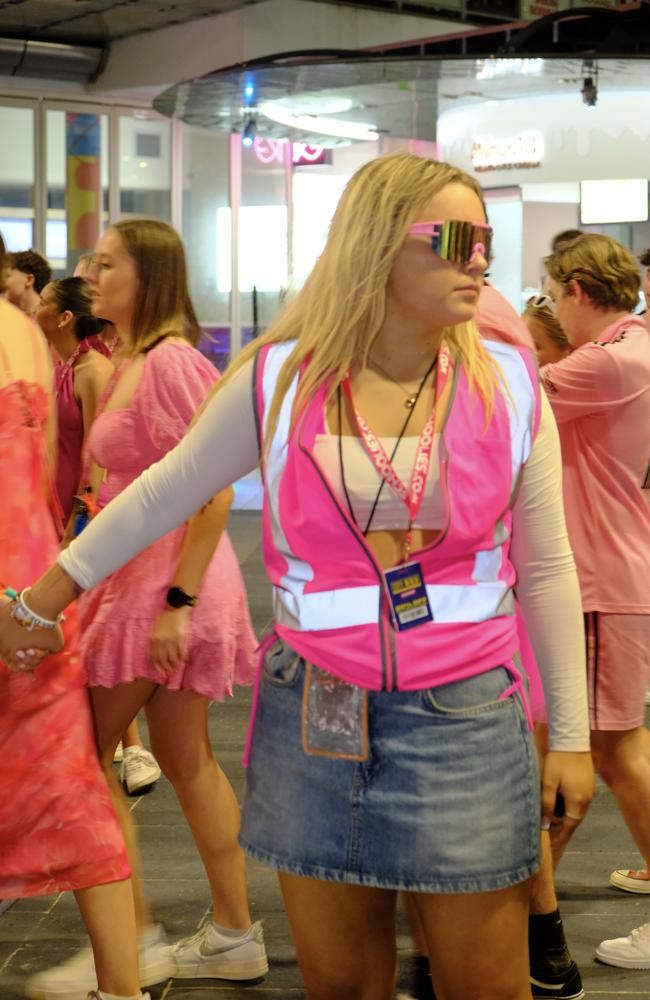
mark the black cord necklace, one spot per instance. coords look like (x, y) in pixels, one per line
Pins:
(393, 453)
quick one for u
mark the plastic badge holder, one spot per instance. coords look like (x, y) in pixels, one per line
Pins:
(334, 717)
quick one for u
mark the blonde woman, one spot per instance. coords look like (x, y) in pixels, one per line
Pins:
(406, 485)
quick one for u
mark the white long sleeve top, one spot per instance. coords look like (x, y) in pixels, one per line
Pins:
(169, 492)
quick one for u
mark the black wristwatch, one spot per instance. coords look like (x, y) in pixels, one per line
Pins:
(177, 598)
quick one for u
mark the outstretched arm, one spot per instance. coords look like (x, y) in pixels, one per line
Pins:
(219, 449)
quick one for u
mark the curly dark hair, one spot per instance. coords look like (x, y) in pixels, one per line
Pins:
(30, 262)
(644, 258)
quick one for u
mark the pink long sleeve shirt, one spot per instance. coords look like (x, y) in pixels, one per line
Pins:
(600, 395)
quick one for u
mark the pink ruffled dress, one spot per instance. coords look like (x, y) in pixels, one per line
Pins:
(118, 615)
(70, 434)
(58, 829)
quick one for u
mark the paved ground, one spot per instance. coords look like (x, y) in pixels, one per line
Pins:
(37, 933)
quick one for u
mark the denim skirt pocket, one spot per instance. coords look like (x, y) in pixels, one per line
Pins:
(471, 696)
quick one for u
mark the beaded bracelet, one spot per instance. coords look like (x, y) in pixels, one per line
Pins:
(25, 617)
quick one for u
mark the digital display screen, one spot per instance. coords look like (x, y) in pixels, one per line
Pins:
(613, 201)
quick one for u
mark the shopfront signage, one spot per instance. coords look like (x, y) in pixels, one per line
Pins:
(532, 9)
(272, 151)
(512, 153)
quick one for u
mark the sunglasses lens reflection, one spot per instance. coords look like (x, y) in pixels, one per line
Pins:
(459, 241)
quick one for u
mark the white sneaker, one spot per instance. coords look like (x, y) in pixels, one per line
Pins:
(210, 954)
(139, 770)
(98, 995)
(631, 952)
(76, 978)
(630, 880)
(156, 962)
(118, 756)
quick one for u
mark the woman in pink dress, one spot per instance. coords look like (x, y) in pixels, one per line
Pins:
(65, 317)
(170, 631)
(58, 829)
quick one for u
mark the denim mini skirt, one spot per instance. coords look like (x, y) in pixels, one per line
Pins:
(447, 800)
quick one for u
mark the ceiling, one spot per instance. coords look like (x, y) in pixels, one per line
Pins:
(99, 22)
(402, 90)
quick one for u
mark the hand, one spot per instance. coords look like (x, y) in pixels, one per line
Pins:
(572, 774)
(168, 642)
(21, 649)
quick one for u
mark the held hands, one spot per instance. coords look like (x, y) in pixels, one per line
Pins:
(571, 775)
(169, 639)
(21, 649)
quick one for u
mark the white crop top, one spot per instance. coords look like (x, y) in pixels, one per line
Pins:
(363, 481)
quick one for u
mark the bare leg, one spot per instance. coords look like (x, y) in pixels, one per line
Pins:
(344, 936)
(621, 758)
(107, 912)
(113, 710)
(178, 726)
(131, 735)
(478, 943)
(542, 895)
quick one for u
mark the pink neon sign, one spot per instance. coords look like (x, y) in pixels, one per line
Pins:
(272, 151)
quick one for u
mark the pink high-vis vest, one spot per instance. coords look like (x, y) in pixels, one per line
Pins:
(330, 598)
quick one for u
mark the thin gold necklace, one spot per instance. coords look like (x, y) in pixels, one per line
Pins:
(411, 397)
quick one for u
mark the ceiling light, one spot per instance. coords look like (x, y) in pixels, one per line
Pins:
(248, 135)
(316, 104)
(315, 124)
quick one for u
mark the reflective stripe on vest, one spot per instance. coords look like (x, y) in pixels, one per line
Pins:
(298, 571)
(350, 606)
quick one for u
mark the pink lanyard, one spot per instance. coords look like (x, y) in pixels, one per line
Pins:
(412, 495)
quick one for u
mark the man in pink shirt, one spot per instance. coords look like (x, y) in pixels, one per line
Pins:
(600, 395)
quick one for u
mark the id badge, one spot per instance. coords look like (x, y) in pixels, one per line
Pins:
(334, 717)
(408, 596)
(81, 516)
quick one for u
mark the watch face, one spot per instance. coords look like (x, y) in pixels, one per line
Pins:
(177, 598)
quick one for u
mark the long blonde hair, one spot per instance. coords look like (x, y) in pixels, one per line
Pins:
(336, 316)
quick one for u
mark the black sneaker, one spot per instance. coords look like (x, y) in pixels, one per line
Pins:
(553, 973)
(567, 985)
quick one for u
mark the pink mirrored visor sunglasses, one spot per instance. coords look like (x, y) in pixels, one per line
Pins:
(457, 241)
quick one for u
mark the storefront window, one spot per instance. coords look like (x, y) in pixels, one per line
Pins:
(263, 236)
(317, 185)
(206, 158)
(17, 178)
(77, 185)
(145, 165)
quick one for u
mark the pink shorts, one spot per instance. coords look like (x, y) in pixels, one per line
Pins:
(618, 669)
